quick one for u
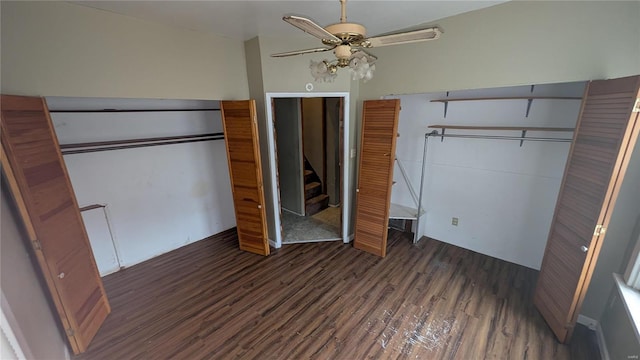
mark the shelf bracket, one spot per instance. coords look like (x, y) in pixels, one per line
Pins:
(442, 135)
(529, 102)
(524, 133)
(446, 106)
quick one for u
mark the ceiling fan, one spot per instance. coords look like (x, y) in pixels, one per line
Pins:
(348, 41)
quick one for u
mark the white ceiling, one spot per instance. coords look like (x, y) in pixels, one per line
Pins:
(244, 20)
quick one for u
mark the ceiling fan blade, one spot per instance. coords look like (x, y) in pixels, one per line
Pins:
(311, 27)
(407, 37)
(300, 52)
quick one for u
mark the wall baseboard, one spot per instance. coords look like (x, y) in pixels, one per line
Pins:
(595, 326)
(602, 345)
(588, 322)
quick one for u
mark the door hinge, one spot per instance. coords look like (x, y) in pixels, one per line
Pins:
(600, 230)
(636, 106)
(37, 245)
(70, 332)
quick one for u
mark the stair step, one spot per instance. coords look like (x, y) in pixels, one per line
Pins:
(312, 190)
(317, 199)
(310, 176)
(316, 204)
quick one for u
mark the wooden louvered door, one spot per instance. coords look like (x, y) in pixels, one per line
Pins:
(377, 154)
(243, 153)
(605, 135)
(40, 185)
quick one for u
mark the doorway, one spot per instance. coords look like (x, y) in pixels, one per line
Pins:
(309, 168)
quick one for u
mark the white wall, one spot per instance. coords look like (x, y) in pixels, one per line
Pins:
(619, 239)
(312, 114)
(158, 198)
(516, 43)
(55, 48)
(23, 298)
(504, 195)
(61, 49)
(253, 58)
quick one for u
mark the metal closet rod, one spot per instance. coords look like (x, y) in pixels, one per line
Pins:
(497, 137)
(80, 148)
(126, 111)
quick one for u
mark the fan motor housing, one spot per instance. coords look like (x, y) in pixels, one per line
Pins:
(347, 31)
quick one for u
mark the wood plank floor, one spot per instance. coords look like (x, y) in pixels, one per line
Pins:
(209, 300)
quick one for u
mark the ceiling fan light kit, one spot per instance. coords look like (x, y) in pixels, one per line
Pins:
(348, 41)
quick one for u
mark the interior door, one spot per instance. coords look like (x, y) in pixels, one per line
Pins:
(37, 176)
(375, 177)
(288, 128)
(243, 153)
(605, 135)
(340, 159)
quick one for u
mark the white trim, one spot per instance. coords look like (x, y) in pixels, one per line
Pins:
(595, 326)
(292, 212)
(346, 213)
(632, 273)
(273, 244)
(311, 241)
(602, 344)
(10, 338)
(11, 329)
(630, 297)
(588, 322)
(303, 203)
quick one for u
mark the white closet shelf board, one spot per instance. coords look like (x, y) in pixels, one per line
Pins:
(397, 211)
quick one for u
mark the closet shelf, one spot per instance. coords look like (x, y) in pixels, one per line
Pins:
(397, 211)
(516, 128)
(529, 99)
(445, 100)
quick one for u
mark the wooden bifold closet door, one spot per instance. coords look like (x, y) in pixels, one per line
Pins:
(36, 173)
(243, 153)
(604, 138)
(377, 157)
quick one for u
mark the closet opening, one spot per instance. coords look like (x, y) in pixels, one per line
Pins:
(308, 167)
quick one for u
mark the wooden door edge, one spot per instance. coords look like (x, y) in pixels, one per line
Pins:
(254, 125)
(259, 176)
(356, 198)
(629, 143)
(17, 196)
(85, 238)
(383, 250)
(392, 162)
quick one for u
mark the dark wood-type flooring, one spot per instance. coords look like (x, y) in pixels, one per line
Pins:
(209, 300)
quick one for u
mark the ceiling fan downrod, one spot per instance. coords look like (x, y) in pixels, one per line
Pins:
(343, 11)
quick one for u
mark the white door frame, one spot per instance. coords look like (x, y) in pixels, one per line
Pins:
(275, 192)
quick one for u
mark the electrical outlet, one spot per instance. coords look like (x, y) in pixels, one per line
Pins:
(454, 221)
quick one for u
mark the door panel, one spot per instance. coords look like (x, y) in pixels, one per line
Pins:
(243, 153)
(288, 125)
(379, 128)
(605, 135)
(39, 182)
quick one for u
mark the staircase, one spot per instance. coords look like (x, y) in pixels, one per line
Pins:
(315, 201)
